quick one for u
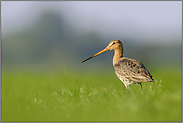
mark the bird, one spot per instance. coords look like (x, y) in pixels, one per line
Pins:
(129, 71)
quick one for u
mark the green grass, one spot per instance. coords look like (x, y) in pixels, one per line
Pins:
(89, 96)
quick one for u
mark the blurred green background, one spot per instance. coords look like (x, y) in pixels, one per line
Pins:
(42, 41)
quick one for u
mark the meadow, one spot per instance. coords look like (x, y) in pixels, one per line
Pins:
(89, 96)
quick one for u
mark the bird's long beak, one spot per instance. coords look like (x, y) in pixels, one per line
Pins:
(100, 52)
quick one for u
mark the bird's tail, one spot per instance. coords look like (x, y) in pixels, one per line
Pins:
(152, 80)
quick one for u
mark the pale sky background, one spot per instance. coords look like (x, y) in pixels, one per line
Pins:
(162, 19)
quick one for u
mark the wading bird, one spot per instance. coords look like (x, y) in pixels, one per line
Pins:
(129, 71)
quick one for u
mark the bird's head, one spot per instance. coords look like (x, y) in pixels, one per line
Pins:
(113, 45)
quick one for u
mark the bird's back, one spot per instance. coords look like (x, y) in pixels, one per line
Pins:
(132, 70)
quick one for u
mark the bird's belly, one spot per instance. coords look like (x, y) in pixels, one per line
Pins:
(125, 79)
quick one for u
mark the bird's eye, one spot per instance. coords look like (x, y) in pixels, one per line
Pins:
(113, 43)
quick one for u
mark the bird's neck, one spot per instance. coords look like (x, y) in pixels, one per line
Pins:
(118, 53)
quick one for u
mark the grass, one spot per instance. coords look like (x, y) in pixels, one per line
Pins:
(89, 96)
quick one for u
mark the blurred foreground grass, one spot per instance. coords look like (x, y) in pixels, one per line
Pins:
(89, 96)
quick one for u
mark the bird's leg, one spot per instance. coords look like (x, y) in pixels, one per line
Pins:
(141, 86)
(127, 86)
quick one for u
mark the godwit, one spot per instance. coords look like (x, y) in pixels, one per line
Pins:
(129, 71)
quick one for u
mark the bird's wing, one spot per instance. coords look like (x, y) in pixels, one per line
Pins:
(133, 70)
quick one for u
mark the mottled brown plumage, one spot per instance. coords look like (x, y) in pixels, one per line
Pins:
(128, 70)
(131, 71)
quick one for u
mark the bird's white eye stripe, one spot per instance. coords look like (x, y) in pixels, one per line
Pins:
(112, 43)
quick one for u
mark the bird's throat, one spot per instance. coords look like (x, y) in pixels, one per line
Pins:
(118, 53)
